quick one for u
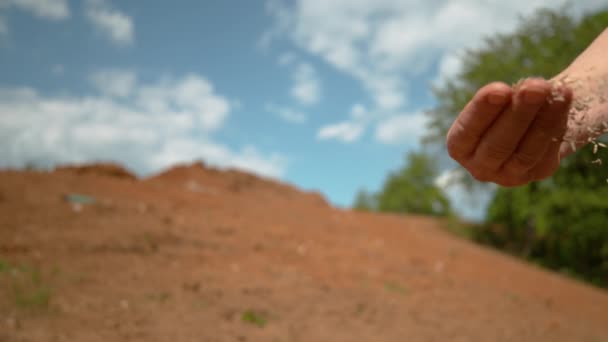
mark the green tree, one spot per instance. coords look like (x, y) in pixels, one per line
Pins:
(560, 222)
(365, 201)
(410, 189)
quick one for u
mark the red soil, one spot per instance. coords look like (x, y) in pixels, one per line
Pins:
(184, 255)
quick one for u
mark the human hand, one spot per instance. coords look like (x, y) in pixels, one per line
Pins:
(511, 136)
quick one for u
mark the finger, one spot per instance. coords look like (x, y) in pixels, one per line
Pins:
(548, 164)
(549, 125)
(476, 118)
(502, 138)
(565, 150)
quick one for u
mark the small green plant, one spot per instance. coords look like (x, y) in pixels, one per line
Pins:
(4, 266)
(256, 318)
(513, 297)
(151, 243)
(201, 304)
(395, 287)
(360, 308)
(38, 297)
(160, 297)
(27, 287)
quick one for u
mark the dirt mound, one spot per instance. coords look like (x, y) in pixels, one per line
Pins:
(99, 169)
(198, 177)
(200, 254)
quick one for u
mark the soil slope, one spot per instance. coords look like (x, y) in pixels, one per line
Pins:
(196, 254)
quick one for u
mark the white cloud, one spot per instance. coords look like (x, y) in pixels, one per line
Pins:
(350, 130)
(286, 58)
(383, 43)
(449, 67)
(387, 91)
(307, 86)
(149, 127)
(358, 111)
(470, 204)
(287, 114)
(115, 25)
(448, 178)
(402, 129)
(48, 9)
(120, 83)
(343, 131)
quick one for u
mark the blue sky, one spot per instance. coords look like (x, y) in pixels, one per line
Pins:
(327, 95)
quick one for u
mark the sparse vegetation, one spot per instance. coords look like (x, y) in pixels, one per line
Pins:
(25, 286)
(159, 297)
(395, 287)
(254, 317)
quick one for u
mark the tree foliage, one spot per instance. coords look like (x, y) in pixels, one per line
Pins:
(365, 201)
(561, 223)
(410, 189)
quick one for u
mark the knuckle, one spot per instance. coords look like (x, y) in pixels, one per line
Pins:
(487, 163)
(548, 127)
(522, 119)
(491, 154)
(521, 161)
(495, 86)
(458, 140)
(455, 150)
(546, 124)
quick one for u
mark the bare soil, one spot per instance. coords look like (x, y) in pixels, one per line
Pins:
(197, 254)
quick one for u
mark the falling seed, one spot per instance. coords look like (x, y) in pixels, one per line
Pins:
(589, 91)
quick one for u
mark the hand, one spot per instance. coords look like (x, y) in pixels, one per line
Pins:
(510, 136)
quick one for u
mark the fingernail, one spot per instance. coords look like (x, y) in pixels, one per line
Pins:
(497, 98)
(534, 97)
